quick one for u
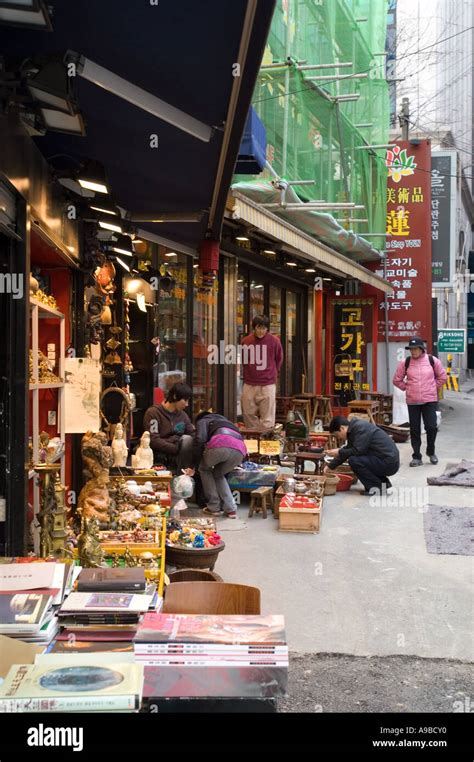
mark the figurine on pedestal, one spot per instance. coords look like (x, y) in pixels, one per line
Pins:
(119, 447)
(94, 500)
(143, 458)
(88, 544)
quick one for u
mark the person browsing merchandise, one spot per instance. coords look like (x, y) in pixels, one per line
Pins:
(372, 454)
(421, 376)
(171, 430)
(262, 358)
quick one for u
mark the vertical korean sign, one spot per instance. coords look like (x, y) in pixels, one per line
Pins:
(443, 217)
(352, 321)
(408, 242)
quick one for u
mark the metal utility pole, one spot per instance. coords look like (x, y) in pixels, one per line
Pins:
(404, 118)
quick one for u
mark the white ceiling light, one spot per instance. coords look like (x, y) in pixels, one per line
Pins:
(292, 264)
(310, 270)
(61, 122)
(29, 14)
(122, 264)
(105, 225)
(171, 254)
(241, 238)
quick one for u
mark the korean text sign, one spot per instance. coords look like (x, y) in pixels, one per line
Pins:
(408, 242)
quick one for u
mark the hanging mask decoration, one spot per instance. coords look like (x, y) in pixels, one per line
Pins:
(104, 279)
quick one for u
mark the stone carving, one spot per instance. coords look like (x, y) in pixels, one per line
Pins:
(119, 447)
(94, 500)
(143, 458)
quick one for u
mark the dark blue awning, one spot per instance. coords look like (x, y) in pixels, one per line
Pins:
(253, 149)
(181, 52)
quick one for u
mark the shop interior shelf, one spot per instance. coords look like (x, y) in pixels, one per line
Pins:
(58, 385)
(44, 310)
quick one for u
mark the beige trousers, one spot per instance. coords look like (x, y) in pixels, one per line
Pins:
(258, 406)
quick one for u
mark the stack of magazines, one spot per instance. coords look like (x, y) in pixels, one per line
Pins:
(29, 598)
(212, 656)
(108, 606)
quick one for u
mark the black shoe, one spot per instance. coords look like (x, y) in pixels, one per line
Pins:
(416, 462)
(371, 492)
(433, 459)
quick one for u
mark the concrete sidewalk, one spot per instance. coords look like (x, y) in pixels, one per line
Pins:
(365, 585)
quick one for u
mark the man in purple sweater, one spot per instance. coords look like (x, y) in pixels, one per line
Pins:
(262, 358)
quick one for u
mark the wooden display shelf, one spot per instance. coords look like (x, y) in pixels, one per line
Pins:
(44, 309)
(55, 385)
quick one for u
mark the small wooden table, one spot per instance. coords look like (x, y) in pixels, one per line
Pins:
(301, 457)
(371, 408)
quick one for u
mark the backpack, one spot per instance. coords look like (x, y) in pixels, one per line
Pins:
(430, 358)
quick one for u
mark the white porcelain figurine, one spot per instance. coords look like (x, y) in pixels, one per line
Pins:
(143, 457)
(119, 447)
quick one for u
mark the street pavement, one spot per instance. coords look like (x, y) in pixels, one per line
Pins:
(365, 585)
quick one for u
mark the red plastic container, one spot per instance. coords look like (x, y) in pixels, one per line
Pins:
(345, 482)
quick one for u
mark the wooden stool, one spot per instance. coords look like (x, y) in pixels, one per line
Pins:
(258, 501)
(322, 410)
(302, 405)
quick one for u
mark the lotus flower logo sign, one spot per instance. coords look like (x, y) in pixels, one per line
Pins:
(399, 164)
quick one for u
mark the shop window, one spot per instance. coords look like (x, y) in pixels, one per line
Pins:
(257, 298)
(205, 336)
(275, 318)
(171, 366)
(292, 343)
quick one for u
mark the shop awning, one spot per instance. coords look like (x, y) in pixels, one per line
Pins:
(184, 53)
(241, 208)
(253, 149)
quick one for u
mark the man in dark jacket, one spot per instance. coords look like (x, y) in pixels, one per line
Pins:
(218, 448)
(171, 430)
(372, 454)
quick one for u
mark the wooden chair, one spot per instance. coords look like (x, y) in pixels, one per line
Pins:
(211, 598)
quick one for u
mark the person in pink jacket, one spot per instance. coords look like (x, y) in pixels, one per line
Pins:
(420, 376)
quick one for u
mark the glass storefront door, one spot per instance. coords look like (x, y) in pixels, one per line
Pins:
(257, 294)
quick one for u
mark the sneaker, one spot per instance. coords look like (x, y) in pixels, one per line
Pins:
(416, 462)
(231, 515)
(212, 513)
(433, 459)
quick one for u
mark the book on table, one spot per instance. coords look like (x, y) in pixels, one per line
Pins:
(73, 685)
(109, 580)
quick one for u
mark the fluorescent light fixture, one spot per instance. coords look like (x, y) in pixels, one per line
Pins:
(292, 264)
(269, 251)
(121, 245)
(122, 264)
(59, 121)
(240, 280)
(92, 177)
(310, 270)
(105, 225)
(171, 254)
(29, 14)
(195, 267)
(259, 286)
(141, 302)
(105, 206)
(329, 279)
(51, 85)
(241, 238)
(124, 89)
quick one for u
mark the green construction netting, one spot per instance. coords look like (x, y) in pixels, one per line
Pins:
(310, 136)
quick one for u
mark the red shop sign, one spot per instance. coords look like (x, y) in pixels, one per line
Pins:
(408, 243)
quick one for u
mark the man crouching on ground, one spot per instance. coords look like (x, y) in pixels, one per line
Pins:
(371, 453)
